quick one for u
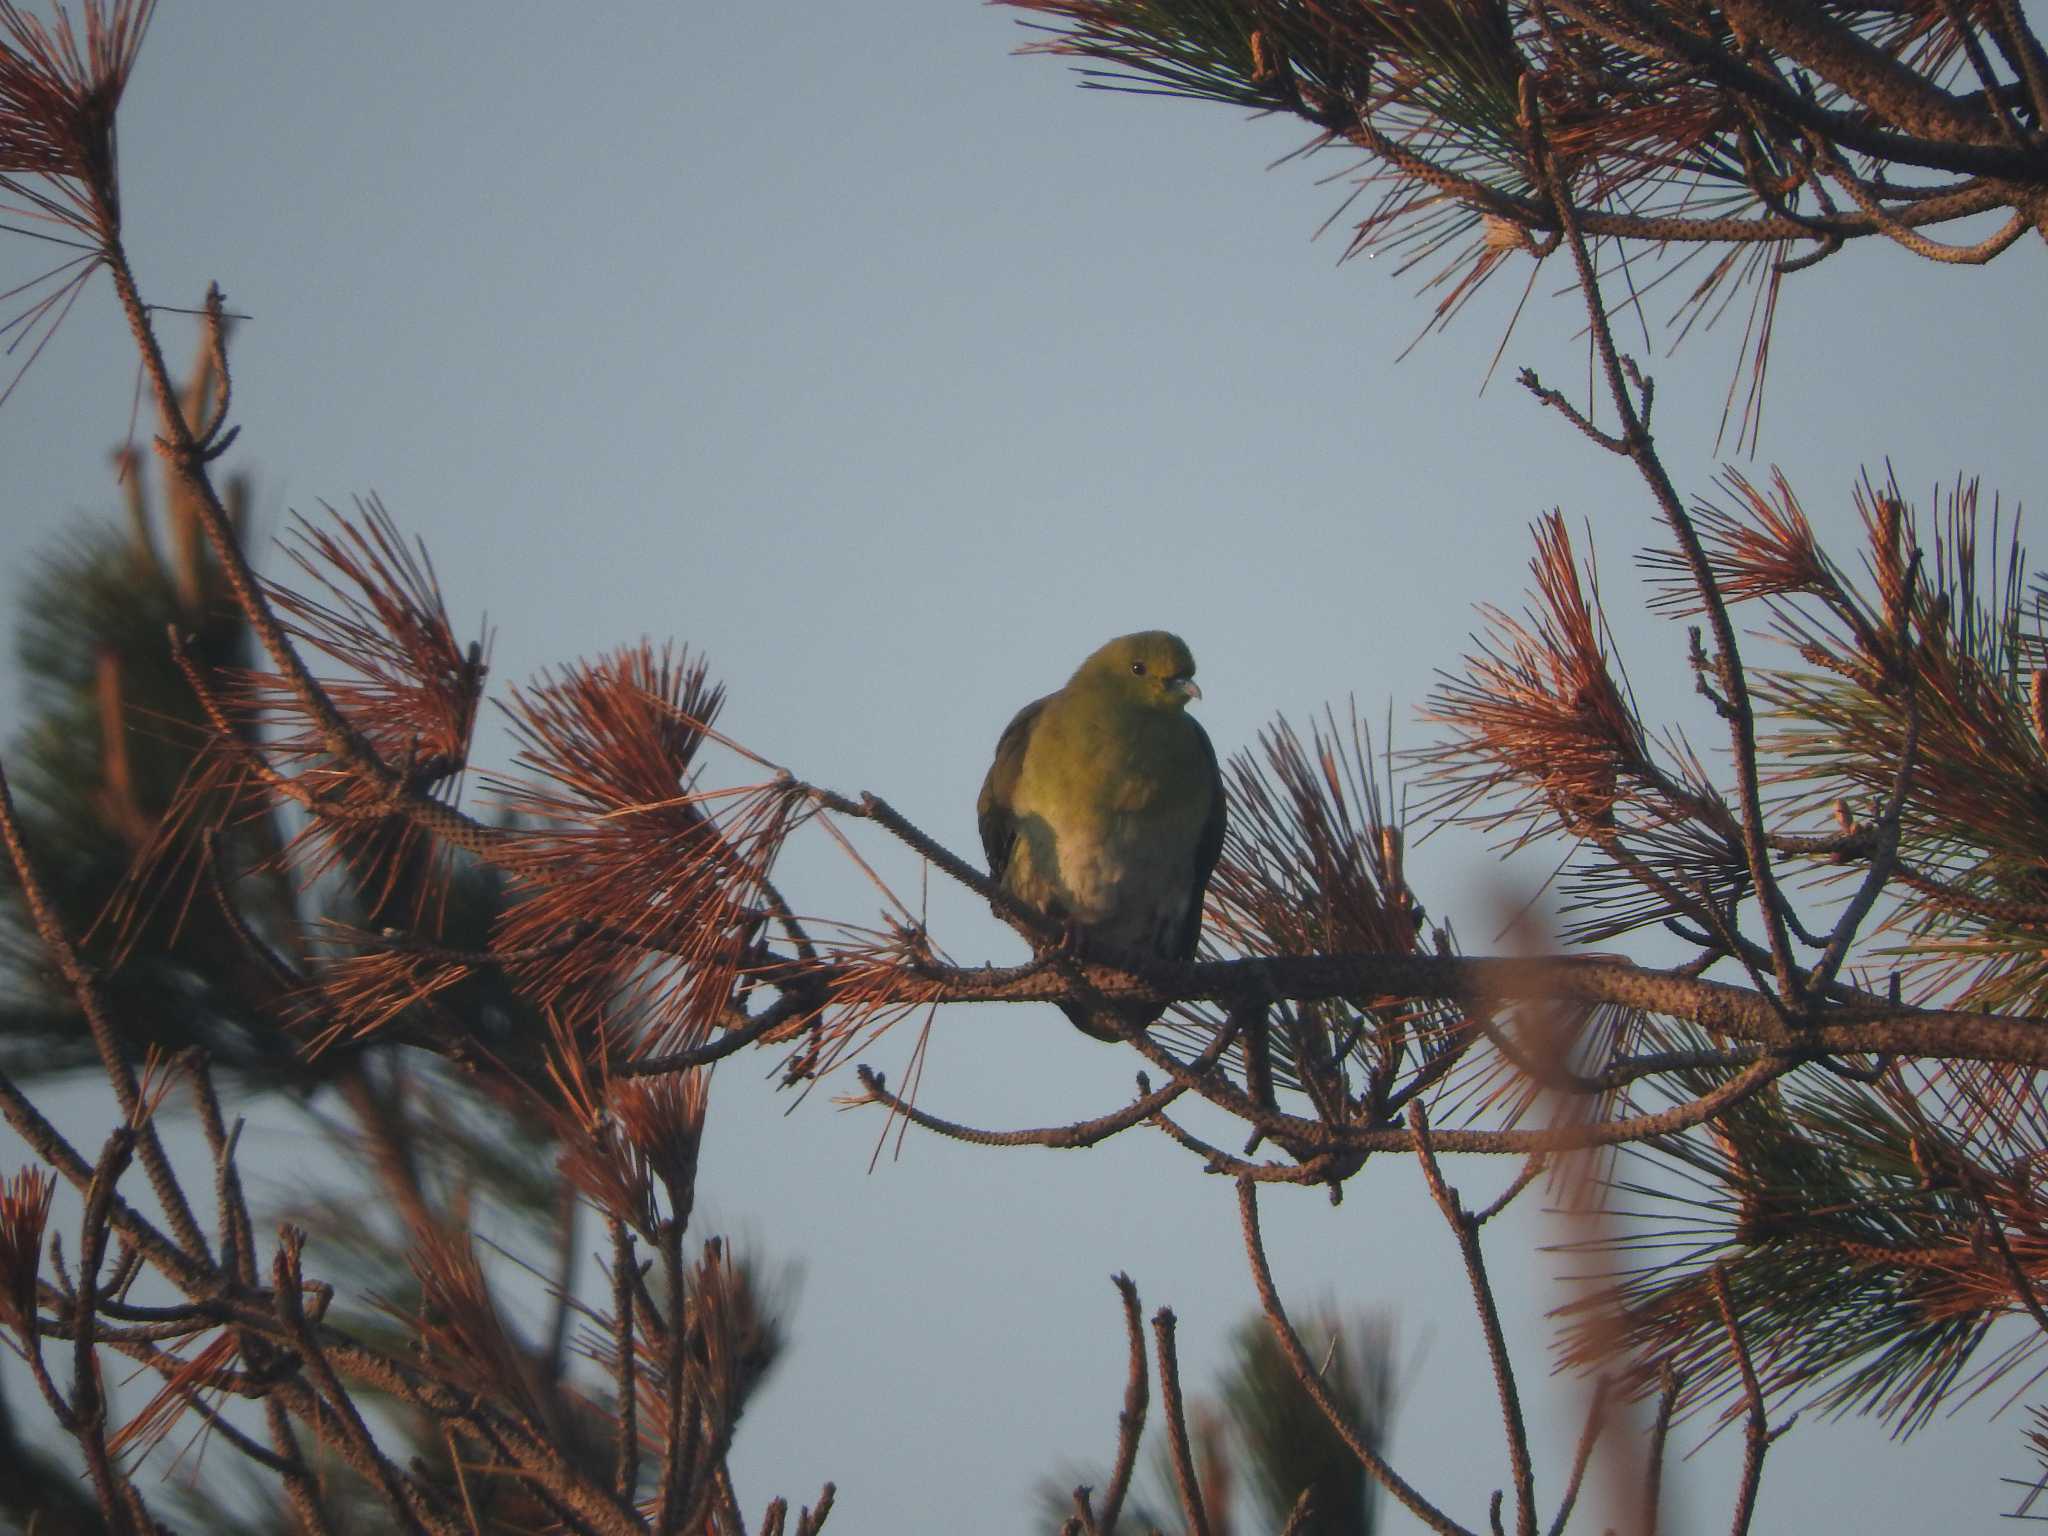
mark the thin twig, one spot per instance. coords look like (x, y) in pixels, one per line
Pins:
(1596, 1421)
(1082, 1133)
(1311, 1379)
(1323, 1168)
(92, 1003)
(676, 1395)
(1756, 1434)
(1669, 1382)
(1130, 1422)
(300, 1486)
(626, 1443)
(88, 1403)
(810, 1521)
(1531, 1171)
(400, 1496)
(237, 1239)
(1176, 1423)
(1466, 1229)
(870, 807)
(1641, 450)
(2023, 52)
(1884, 855)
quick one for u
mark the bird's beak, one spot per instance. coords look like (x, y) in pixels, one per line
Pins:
(1185, 686)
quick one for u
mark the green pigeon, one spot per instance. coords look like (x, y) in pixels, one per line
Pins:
(1104, 806)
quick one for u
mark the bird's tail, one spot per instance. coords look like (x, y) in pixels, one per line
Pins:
(1097, 1025)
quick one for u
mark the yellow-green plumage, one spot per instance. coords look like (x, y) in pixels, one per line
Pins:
(1104, 807)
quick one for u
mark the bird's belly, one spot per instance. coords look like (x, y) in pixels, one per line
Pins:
(1126, 877)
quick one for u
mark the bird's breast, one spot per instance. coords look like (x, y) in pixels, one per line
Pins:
(1107, 836)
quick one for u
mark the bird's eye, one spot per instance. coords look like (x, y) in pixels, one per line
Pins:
(1138, 667)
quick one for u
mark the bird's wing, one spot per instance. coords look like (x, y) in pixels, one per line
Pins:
(1207, 851)
(999, 790)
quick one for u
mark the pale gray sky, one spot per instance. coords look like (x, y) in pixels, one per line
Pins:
(895, 373)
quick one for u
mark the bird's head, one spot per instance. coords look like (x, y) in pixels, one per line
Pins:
(1153, 669)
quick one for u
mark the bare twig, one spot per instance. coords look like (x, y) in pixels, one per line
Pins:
(1884, 854)
(625, 1382)
(1641, 450)
(100, 1023)
(88, 1407)
(1082, 1133)
(1669, 1382)
(676, 1395)
(1596, 1421)
(1311, 1379)
(1756, 1434)
(1298, 1517)
(1130, 1422)
(1466, 1228)
(1176, 1423)
(402, 1497)
(810, 1521)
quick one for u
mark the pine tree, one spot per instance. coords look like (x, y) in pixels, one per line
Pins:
(1808, 1153)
